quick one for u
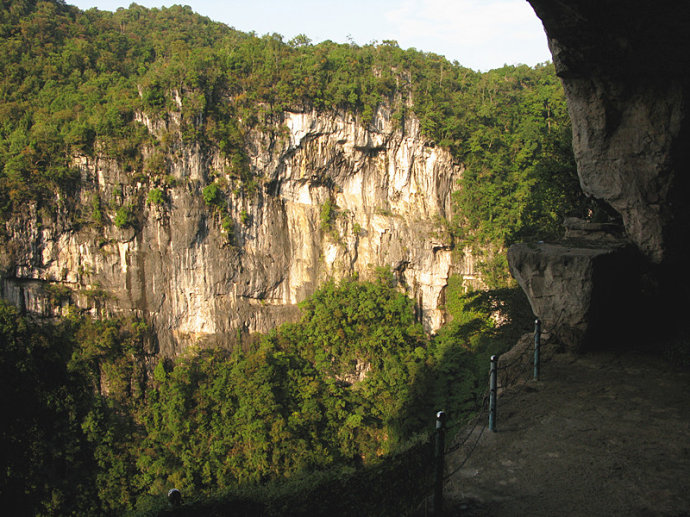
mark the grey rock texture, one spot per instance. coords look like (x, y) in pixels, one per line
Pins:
(176, 267)
(625, 69)
(582, 291)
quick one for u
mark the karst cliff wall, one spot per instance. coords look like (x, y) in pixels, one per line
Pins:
(626, 74)
(194, 281)
(624, 67)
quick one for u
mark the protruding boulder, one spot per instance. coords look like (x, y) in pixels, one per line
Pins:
(583, 291)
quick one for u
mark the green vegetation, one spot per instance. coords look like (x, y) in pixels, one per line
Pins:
(329, 390)
(155, 197)
(227, 225)
(124, 216)
(57, 293)
(388, 488)
(75, 81)
(213, 196)
(327, 216)
(96, 211)
(215, 199)
(344, 391)
(68, 393)
(520, 179)
(330, 401)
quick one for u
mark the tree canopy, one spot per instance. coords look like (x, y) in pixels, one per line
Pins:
(92, 430)
(74, 81)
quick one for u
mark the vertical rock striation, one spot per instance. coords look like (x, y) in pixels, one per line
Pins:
(389, 192)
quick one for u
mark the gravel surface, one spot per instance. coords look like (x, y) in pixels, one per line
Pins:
(598, 435)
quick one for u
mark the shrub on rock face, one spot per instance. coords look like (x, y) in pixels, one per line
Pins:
(327, 215)
(155, 197)
(212, 195)
(124, 217)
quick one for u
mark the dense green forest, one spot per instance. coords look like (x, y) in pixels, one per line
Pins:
(88, 430)
(95, 423)
(73, 82)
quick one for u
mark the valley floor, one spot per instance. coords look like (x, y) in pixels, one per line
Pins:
(598, 435)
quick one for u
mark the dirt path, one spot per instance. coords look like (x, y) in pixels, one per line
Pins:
(599, 435)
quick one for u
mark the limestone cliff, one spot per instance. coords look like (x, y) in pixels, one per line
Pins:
(197, 273)
(624, 68)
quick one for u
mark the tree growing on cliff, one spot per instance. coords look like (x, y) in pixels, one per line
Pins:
(77, 83)
(327, 215)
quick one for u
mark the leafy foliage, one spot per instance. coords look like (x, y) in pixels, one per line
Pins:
(68, 391)
(155, 197)
(76, 81)
(88, 432)
(520, 179)
(390, 487)
(294, 403)
(327, 215)
(124, 216)
(212, 195)
(42, 449)
(342, 389)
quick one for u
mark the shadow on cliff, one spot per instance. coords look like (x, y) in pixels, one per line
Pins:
(483, 323)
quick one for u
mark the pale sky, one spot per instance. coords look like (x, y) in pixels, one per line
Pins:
(479, 34)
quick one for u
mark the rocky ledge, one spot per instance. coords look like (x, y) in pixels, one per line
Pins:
(582, 289)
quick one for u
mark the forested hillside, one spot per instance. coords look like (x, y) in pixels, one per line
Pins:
(97, 423)
(73, 82)
(89, 429)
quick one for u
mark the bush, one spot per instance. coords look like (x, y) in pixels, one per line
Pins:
(212, 195)
(392, 486)
(96, 212)
(228, 227)
(155, 197)
(124, 217)
(57, 293)
(327, 216)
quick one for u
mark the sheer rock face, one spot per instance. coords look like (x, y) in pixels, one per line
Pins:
(624, 66)
(177, 267)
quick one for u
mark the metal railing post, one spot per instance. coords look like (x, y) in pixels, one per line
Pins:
(493, 387)
(174, 497)
(440, 462)
(537, 346)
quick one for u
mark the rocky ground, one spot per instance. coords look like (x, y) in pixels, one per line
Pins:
(599, 435)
